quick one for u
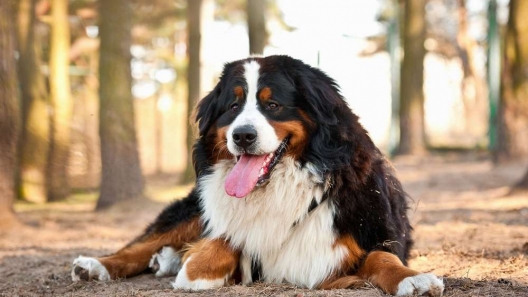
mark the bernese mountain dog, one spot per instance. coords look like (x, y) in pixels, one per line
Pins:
(290, 189)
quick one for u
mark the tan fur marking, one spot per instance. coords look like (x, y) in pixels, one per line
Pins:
(306, 118)
(180, 236)
(298, 136)
(339, 279)
(220, 151)
(265, 94)
(239, 92)
(385, 270)
(133, 259)
(346, 282)
(355, 253)
(211, 259)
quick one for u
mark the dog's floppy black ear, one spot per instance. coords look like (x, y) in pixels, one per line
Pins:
(206, 113)
(207, 110)
(339, 141)
(320, 97)
(321, 94)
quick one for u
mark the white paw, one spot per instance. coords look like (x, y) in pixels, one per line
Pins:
(87, 268)
(183, 282)
(166, 262)
(421, 283)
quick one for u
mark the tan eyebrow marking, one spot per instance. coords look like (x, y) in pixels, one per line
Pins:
(239, 92)
(265, 94)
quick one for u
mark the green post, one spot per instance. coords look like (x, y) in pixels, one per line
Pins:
(494, 69)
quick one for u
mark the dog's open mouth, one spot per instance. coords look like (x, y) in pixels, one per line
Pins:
(252, 171)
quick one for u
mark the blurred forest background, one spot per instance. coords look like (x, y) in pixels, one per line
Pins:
(96, 98)
(97, 95)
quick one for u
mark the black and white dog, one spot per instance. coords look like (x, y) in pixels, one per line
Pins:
(290, 188)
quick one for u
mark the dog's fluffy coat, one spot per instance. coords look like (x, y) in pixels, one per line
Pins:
(317, 204)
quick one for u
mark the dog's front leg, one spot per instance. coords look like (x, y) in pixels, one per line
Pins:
(208, 264)
(386, 271)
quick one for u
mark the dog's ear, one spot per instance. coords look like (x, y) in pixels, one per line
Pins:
(206, 113)
(210, 107)
(321, 94)
(320, 97)
(339, 141)
(208, 110)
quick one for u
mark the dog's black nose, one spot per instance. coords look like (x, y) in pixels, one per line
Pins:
(244, 136)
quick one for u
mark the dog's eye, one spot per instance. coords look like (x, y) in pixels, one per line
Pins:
(272, 106)
(234, 107)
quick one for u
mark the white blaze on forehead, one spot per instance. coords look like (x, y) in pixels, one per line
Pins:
(267, 140)
(251, 74)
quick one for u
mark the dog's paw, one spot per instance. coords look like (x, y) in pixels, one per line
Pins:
(420, 284)
(86, 268)
(166, 262)
(183, 281)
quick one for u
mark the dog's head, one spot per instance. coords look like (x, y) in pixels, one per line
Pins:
(264, 109)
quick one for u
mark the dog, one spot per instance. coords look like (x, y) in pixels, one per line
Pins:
(290, 189)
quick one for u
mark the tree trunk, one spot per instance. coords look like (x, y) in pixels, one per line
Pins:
(91, 121)
(62, 106)
(9, 113)
(411, 91)
(256, 10)
(513, 105)
(194, 30)
(121, 171)
(34, 140)
(473, 86)
(523, 183)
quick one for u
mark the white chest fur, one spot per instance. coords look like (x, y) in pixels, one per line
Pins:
(262, 223)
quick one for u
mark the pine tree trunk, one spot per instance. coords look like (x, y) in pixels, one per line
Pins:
(9, 113)
(35, 124)
(412, 135)
(194, 29)
(256, 10)
(513, 105)
(62, 106)
(121, 171)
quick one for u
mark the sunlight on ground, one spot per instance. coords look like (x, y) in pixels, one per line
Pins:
(85, 201)
(167, 194)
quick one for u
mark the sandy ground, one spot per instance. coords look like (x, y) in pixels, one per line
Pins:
(466, 229)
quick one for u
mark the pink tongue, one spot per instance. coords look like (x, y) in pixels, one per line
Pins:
(244, 175)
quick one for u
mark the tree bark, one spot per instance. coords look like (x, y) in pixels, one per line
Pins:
(412, 135)
(62, 106)
(194, 31)
(473, 86)
(9, 113)
(523, 183)
(35, 124)
(121, 171)
(256, 20)
(513, 104)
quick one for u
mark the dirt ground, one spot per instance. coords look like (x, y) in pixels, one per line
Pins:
(467, 229)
